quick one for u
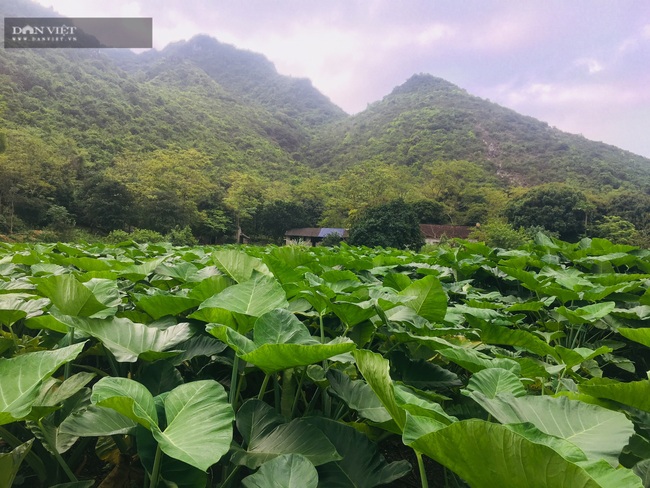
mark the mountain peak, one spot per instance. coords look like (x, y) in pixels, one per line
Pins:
(424, 82)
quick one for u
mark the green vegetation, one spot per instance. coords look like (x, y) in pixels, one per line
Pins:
(555, 208)
(143, 364)
(130, 363)
(205, 135)
(394, 224)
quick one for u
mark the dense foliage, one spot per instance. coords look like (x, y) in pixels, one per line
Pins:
(205, 135)
(394, 224)
(131, 363)
(555, 208)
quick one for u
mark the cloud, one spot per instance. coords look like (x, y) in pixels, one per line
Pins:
(593, 65)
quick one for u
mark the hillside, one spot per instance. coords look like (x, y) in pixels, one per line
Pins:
(205, 134)
(428, 119)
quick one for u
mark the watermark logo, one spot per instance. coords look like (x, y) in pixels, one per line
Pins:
(65, 32)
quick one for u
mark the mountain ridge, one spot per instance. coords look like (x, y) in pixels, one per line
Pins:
(263, 140)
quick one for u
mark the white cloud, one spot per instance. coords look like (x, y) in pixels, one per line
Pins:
(572, 95)
(593, 65)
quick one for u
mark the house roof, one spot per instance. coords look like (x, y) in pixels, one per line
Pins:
(316, 232)
(431, 231)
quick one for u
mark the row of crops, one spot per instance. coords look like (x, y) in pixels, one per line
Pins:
(147, 365)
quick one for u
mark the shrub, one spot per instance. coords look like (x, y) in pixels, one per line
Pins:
(137, 235)
(332, 240)
(182, 237)
(500, 234)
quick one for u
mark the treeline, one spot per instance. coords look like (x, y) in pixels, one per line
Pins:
(174, 188)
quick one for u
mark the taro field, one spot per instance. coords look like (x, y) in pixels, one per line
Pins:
(147, 365)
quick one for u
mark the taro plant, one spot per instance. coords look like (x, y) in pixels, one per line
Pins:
(149, 365)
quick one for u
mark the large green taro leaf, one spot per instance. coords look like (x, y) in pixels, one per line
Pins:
(16, 306)
(127, 397)
(129, 340)
(514, 460)
(255, 297)
(239, 265)
(275, 357)
(97, 421)
(496, 334)
(160, 305)
(69, 296)
(199, 424)
(375, 369)
(415, 402)
(362, 465)
(10, 463)
(267, 436)
(358, 396)
(600, 433)
(280, 341)
(634, 394)
(199, 417)
(642, 336)
(475, 361)
(428, 298)
(285, 471)
(23, 375)
(494, 381)
(587, 314)
(352, 314)
(578, 355)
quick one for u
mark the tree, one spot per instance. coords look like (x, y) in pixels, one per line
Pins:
(362, 186)
(274, 218)
(430, 212)
(245, 194)
(394, 224)
(167, 186)
(557, 208)
(32, 173)
(106, 204)
(632, 206)
(498, 233)
(468, 192)
(60, 221)
(616, 229)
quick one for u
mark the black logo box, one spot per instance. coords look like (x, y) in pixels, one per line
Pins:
(78, 32)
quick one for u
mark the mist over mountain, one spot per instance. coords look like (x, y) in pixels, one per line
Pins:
(205, 134)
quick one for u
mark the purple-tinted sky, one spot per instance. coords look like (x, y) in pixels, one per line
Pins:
(580, 65)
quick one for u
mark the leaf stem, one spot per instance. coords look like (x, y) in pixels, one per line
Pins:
(57, 456)
(66, 368)
(298, 391)
(233, 382)
(97, 371)
(260, 396)
(155, 472)
(322, 329)
(423, 473)
(230, 476)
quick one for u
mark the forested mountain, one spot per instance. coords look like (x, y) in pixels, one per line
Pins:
(428, 118)
(207, 135)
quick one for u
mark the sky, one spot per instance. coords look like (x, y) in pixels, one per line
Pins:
(582, 66)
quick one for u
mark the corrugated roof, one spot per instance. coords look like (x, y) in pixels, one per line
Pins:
(325, 231)
(315, 232)
(431, 231)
